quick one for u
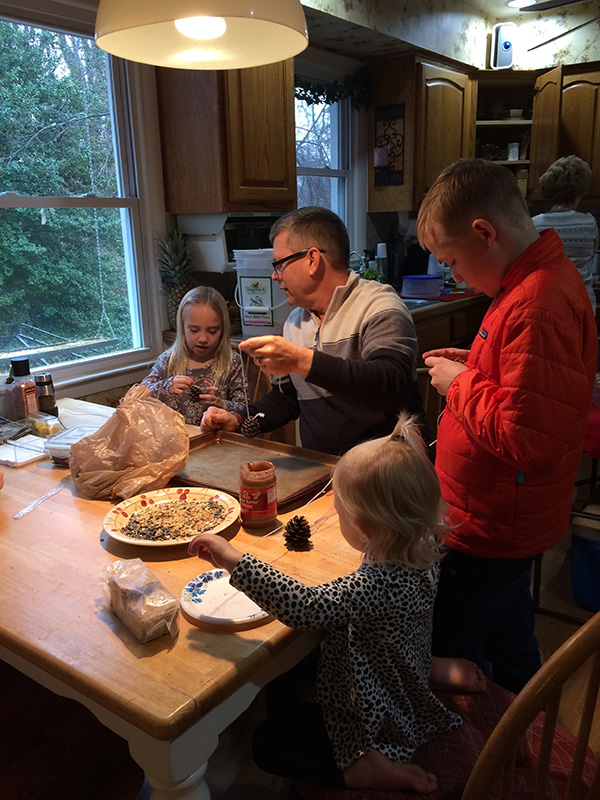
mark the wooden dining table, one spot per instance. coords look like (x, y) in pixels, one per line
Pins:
(170, 698)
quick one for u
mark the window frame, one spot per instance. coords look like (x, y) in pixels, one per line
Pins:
(321, 65)
(135, 118)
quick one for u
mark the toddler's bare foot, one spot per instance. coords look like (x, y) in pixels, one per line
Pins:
(456, 675)
(376, 771)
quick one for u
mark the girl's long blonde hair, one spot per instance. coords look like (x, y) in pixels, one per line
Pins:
(202, 295)
(389, 487)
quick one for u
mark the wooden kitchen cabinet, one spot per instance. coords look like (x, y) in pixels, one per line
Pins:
(580, 120)
(566, 121)
(452, 323)
(445, 115)
(228, 139)
(422, 118)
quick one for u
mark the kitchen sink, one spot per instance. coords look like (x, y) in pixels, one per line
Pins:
(412, 303)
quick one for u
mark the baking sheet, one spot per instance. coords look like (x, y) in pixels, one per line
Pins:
(215, 462)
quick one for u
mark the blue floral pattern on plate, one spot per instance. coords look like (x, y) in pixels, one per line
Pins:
(210, 598)
(194, 590)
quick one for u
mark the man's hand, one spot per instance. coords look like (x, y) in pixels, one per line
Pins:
(180, 383)
(215, 549)
(442, 372)
(217, 419)
(276, 356)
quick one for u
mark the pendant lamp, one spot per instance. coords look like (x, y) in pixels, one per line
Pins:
(202, 34)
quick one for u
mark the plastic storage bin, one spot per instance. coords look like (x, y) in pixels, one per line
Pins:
(263, 305)
(59, 447)
(585, 561)
(421, 286)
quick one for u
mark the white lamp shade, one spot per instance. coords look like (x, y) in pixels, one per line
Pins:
(257, 32)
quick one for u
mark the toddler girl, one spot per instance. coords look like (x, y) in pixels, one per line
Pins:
(372, 705)
(201, 358)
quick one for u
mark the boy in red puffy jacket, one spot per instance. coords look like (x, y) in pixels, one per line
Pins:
(510, 438)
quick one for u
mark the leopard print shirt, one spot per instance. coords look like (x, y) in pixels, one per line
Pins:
(373, 677)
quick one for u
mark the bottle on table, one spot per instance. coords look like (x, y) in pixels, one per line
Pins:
(258, 494)
(45, 394)
(23, 389)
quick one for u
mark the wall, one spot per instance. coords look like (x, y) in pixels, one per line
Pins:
(460, 31)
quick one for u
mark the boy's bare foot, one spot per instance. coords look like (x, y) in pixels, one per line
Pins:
(376, 771)
(456, 675)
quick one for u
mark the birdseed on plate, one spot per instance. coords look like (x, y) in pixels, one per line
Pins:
(175, 520)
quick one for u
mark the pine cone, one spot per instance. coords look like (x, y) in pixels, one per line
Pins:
(195, 391)
(297, 534)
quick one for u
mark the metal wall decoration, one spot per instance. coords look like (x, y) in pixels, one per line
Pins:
(389, 145)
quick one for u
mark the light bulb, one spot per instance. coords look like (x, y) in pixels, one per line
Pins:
(201, 27)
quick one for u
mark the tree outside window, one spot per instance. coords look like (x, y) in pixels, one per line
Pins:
(322, 154)
(67, 209)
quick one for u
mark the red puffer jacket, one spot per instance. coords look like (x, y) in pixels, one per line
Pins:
(510, 439)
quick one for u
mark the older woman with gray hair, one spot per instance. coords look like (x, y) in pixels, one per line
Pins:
(563, 185)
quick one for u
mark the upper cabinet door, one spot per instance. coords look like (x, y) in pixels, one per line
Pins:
(446, 123)
(580, 122)
(545, 129)
(228, 139)
(261, 141)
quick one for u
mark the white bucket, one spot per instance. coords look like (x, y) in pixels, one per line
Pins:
(262, 303)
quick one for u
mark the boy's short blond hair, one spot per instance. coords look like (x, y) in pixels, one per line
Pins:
(389, 487)
(469, 189)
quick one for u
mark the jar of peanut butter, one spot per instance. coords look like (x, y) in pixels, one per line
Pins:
(258, 494)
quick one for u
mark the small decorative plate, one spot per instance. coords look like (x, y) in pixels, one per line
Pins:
(210, 598)
(226, 510)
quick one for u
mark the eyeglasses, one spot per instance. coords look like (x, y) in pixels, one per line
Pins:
(280, 264)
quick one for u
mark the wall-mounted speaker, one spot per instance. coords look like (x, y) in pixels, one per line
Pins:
(503, 40)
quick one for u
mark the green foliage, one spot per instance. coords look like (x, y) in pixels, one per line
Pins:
(357, 86)
(62, 270)
(174, 259)
(369, 274)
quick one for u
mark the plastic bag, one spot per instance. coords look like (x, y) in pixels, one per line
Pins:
(139, 600)
(140, 448)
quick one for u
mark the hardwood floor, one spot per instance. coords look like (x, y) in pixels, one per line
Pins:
(232, 775)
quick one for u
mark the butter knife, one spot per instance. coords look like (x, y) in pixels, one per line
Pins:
(35, 503)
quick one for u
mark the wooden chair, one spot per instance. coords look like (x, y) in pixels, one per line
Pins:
(512, 747)
(498, 759)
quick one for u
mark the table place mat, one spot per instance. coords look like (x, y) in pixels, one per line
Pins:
(215, 461)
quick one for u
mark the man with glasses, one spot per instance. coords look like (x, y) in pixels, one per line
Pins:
(346, 363)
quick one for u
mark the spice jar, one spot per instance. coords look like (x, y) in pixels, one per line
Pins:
(45, 394)
(23, 389)
(258, 494)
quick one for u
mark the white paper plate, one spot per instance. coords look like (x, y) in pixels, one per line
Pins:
(210, 598)
(120, 515)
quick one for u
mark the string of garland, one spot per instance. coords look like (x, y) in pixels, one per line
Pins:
(356, 87)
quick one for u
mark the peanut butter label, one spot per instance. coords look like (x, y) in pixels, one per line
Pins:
(258, 502)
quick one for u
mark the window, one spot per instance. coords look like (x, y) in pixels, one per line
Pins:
(71, 228)
(322, 157)
(331, 146)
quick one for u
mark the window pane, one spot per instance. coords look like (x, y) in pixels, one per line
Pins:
(315, 190)
(313, 135)
(64, 289)
(56, 135)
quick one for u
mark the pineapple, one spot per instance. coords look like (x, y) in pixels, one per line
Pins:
(175, 266)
